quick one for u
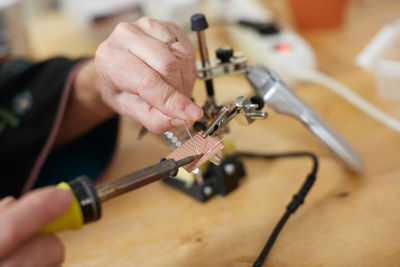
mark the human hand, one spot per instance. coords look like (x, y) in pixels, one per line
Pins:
(21, 219)
(147, 71)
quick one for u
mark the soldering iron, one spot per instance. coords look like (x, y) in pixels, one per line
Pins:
(87, 198)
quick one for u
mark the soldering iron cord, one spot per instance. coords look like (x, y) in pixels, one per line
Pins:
(297, 200)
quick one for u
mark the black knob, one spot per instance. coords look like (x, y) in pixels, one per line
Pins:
(257, 100)
(199, 22)
(224, 54)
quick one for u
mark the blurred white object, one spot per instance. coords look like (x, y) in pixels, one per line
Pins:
(234, 10)
(88, 10)
(7, 3)
(95, 19)
(277, 50)
(178, 11)
(290, 56)
(382, 57)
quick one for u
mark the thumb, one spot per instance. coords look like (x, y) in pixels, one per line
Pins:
(29, 214)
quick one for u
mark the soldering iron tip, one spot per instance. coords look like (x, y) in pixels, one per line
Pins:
(188, 160)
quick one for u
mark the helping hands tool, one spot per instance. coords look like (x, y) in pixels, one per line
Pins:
(87, 198)
(272, 91)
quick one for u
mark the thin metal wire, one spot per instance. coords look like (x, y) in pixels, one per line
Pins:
(219, 142)
(191, 137)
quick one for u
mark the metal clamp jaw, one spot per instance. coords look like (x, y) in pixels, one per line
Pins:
(226, 63)
(242, 108)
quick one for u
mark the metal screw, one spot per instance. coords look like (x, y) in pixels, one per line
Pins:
(207, 190)
(230, 168)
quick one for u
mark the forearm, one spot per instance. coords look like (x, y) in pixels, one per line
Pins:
(85, 108)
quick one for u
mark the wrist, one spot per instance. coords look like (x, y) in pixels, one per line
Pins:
(86, 108)
(86, 91)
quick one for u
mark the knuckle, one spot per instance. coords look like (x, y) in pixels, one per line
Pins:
(157, 125)
(121, 27)
(188, 58)
(167, 99)
(149, 22)
(124, 28)
(102, 50)
(169, 65)
(148, 80)
(156, 128)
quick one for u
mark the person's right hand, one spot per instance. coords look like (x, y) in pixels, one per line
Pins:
(146, 71)
(21, 219)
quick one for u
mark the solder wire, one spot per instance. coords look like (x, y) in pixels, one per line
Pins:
(191, 137)
(216, 144)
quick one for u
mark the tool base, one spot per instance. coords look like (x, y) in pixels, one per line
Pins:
(221, 180)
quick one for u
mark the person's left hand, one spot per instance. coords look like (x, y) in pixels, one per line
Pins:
(20, 221)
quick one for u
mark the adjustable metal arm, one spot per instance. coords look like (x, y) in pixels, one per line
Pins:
(277, 95)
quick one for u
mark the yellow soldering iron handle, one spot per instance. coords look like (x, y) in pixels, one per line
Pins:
(85, 206)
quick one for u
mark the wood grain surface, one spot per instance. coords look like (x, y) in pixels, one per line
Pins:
(347, 220)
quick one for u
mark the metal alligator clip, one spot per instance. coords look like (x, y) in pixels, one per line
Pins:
(242, 108)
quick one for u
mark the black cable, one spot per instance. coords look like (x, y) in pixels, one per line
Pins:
(297, 200)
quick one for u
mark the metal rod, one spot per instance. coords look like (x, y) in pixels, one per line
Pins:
(205, 61)
(164, 169)
(201, 38)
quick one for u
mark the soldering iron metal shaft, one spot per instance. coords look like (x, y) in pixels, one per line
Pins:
(164, 169)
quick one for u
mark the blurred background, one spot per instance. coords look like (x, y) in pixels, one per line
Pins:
(39, 29)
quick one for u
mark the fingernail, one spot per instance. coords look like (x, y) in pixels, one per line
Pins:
(177, 122)
(64, 196)
(193, 111)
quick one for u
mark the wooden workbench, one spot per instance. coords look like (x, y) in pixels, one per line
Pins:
(347, 220)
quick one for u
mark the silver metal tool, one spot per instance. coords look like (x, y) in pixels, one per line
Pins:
(282, 99)
(242, 108)
(226, 63)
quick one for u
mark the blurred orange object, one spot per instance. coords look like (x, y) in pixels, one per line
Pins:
(318, 14)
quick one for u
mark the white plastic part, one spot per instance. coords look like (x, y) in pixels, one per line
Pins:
(376, 48)
(382, 57)
(264, 48)
(388, 80)
(346, 93)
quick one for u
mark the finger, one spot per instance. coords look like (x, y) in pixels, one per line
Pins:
(184, 52)
(30, 214)
(139, 78)
(169, 35)
(6, 202)
(151, 50)
(156, 29)
(41, 250)
(151, 118)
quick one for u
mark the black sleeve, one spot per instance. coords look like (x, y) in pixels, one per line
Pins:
(30, 99)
